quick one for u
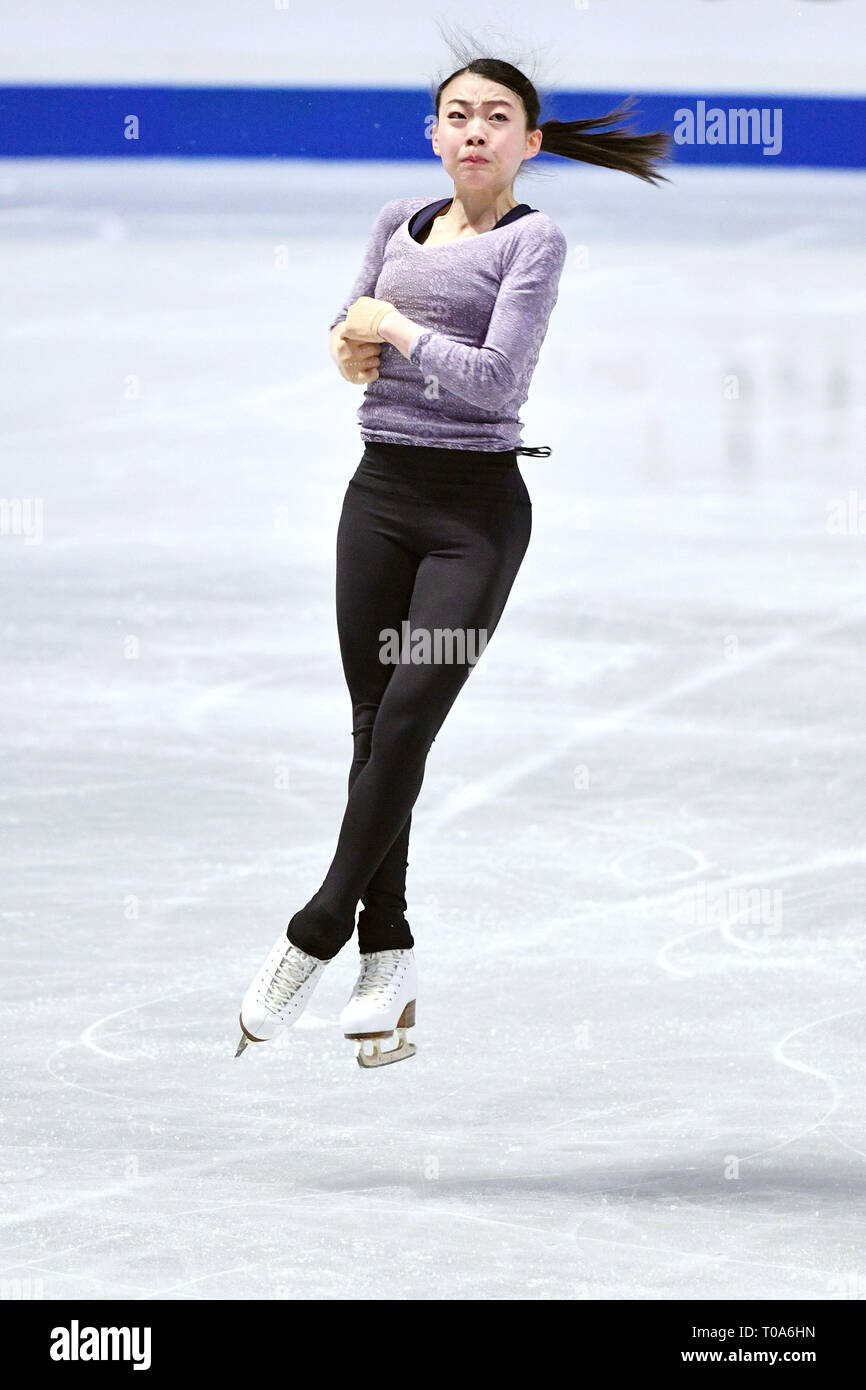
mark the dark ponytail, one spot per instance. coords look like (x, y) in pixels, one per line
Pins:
(617, 149)
(595, 140)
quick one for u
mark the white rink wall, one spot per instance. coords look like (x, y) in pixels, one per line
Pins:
(816, 46)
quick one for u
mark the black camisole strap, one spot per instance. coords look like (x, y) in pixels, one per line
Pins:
(421, 219)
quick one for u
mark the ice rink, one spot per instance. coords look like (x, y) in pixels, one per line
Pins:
(637, 878)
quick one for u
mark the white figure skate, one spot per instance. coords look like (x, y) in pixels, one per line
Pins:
(279, 993)
(382, 1003)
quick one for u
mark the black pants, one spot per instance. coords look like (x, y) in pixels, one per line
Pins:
(434, 538)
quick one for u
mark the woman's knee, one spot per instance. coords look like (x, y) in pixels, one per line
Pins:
(405, 729)
(363, 721)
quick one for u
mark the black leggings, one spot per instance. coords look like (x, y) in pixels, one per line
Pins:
(433, 537)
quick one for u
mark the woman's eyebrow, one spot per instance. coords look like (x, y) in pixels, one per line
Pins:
(494, 101)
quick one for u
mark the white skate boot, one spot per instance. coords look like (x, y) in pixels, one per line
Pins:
(382, 1002)
(279, 993)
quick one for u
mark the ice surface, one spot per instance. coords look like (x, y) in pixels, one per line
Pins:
(623, 1089)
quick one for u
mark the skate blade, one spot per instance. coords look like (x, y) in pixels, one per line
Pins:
(246, 1038)
(377, 1056)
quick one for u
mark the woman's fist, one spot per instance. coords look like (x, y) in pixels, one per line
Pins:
(364, 316)
(357, 361)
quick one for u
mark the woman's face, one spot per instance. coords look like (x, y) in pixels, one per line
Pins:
(481, 134)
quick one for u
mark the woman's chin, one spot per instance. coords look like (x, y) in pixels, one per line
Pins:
(474, 175)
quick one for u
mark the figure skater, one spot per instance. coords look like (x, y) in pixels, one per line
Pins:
(443, 325)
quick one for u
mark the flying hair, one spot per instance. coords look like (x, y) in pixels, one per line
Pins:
(602, 140)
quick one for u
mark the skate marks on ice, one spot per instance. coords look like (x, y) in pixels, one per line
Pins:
(179, 1037)
(558, 1173)
(487, 789)
(801, 952)
(825, 863)
(828, 1078)
(583, 730)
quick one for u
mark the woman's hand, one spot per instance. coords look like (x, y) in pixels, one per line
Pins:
(357, 361)
(364, 316)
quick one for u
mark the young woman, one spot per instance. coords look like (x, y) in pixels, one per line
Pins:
(444, 324)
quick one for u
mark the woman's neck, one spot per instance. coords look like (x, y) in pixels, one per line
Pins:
(477, 212)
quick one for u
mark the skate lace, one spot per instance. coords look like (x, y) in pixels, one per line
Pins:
(378, 971)
(287, 979)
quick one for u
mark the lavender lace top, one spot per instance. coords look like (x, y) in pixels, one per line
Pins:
(483, 303)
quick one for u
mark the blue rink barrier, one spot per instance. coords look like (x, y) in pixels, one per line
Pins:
(140, 122)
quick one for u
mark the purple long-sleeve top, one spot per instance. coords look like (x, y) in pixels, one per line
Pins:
(483, 305)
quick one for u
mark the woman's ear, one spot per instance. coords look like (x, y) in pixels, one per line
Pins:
(533, 143)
